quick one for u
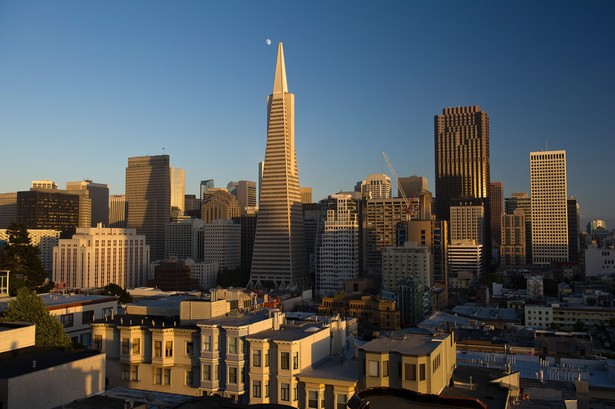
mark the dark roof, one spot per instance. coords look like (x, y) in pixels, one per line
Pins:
(387, 398)
(491, 394)
(31, 359)
(412, 345)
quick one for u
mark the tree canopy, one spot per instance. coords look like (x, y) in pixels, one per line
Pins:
(22, 259)
(117, 290)
(28, 307)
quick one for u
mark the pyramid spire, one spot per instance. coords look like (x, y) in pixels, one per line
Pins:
(279, 82)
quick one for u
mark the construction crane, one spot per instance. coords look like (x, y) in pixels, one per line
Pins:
(411, 205)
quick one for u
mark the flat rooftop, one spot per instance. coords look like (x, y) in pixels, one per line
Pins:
(412, 345)
(58, 300)
(31, 359)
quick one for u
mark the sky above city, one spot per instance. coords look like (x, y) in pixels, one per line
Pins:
(85, 85)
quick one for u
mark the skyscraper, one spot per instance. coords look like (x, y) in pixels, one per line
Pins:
(99, 195)
(521, 200)
(462, 158)
(497, 210)
(178, 190)
(148, 194)
(117, 211)
(549, 206)
(279, 247)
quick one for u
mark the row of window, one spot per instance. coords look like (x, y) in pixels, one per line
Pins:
(409, 372)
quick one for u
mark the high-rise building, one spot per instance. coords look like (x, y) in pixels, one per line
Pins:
(222, 243)
(184, 239)
(261, 169)
(218, 204)
(513, 247)
(178, 190)
(337, 248)
(462, 160)
(205, 186)
(521, 200)
(306, 195)
(44, 184)
(497, 210)
(117, 211)
(248, 232)
(279, 247)
(465, 256)
(97, 256)
(413, 185)
(401, 263)
(376, 186)
(434, 235)
(8, 209)
(468, 220)
(245, 192)
(549, 198)
(148, 194)
(574, 229)
(52, 209)
(98, 193)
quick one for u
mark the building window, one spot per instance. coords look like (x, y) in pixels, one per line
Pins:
(284, 360)
(295, 392)
(313, 399)
(256, 389)
(207, 343)
(136, 346)
(168, 349)
(134, 372)
(296, 360)
(285, 392)
(157, 376)
(207, 372)
(385, 369)
(410, 372)
(232, 345)
(166, 376)
(422, 372)
(107, 312)
(342, 401)
(256, 358)
(87, 317)
(267, 388)
(98, 342)
(158, 349)
(374, 368)
(232, 374)
(189, 348)
(125, 372)
(66, 320)
(125, 346)
(188, 378)
(267, 358)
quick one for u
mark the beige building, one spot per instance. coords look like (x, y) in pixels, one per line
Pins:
(513, 236)
(401, 263)
(549, 197)
(178, 190)
(280, 255)
(306, 195)
(44, 377)
(563, 316)
(218, 204)
(44, 184)
(468, 220)
(376, 186)
(117, 211)
(421, 363)
(98, 256)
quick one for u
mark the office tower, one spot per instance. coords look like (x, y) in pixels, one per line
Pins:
(337, 247)
(98, 193)
(222, 241)
(261, 169)
(8, 209)
(376, 186)
(97, 256)
(513, 247)
(434, 235)
(183, 239)
(117, 211)
(379, 218)
(549, 206)
(306, 195)
(44, 184)
(178, 190)
(468, 220)
(497, 210)
(205, 186)
(465, 256)
(521, 200)
(218, 204)
(148, 194)
(247, 222)
(401, 263)
(48, 209)
(311, 216)
(245, 192)
(574, 229)
(279, 247)
(590, 228)
(412, 185)
(462, 160)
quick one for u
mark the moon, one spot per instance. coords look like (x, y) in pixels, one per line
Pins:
(268, 41)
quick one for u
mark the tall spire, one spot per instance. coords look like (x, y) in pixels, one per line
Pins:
(279, 82)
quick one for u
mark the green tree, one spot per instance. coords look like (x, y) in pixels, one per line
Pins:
(579, 326)
(117, 290)
(22, 259)
(28, 307)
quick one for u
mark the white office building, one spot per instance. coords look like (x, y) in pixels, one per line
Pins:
(223, 244)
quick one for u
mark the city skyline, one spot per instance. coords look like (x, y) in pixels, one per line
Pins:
(99, 77)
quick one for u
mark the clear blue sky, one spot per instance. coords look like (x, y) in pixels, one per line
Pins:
(84, 85)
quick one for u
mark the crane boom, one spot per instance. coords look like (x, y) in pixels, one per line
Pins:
(399, 187)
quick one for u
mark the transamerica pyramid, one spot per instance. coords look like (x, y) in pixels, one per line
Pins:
(280, 257)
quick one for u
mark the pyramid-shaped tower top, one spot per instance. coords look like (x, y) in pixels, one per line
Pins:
(279, 82)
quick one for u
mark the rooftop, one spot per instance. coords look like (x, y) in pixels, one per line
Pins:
(476, 383)
(31, 359)
(472, 310)
(411, 344)
(141, 320)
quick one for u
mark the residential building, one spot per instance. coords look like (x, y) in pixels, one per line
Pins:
(462, 161)
(279, 246)
(148, 194)
(538, 316)
(218, 204)
(402, 263)
(98, 193)
(513, 237)
(549, 207)
(564, 316)
(184, 239)
(419, 362)
(4, 283)
(8, 209)
(97, 256)
(599, 261)
(178, 190)
(376, 186)
(222, 244)
(45, 377)
(497, 210)
(337, 248)
(521, 201)
(561, 344)
(118, 207)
